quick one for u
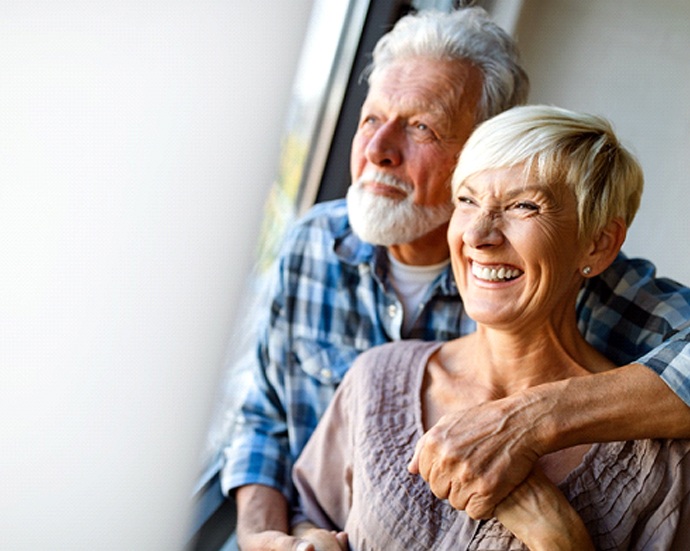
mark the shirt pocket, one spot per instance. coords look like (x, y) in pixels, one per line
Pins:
(323, 361)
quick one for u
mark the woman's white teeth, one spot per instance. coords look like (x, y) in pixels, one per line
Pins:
(494, 274)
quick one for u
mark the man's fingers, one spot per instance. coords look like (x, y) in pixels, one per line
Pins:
(292, 543)
(341, 538)
(413, 466)
(318, 539)
(479, 508)
(448, 479)
(272, 540)
(425, 455)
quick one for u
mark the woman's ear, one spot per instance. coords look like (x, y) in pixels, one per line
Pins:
(604, 247)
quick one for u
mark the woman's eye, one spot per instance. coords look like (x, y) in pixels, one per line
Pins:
(526, 205)
(464, 201)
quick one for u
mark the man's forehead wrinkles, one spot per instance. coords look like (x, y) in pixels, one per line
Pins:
(416, 100)
(432, 90)
(420, 96)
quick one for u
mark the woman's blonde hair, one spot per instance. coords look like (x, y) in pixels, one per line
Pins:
(560, 146)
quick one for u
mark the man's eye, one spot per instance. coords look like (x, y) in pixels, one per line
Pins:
(422, 128)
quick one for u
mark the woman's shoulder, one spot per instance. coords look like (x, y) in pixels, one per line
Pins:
(388, 367)
(393, 356)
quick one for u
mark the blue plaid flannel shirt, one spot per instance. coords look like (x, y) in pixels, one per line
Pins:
(331, 301)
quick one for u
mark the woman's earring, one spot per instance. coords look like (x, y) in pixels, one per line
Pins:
(586, 270)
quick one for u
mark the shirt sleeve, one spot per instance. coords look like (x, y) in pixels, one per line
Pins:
(671, 360)
(259, 450)
(631, 315)
(300, 357)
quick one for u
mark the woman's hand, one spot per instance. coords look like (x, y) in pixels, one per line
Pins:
(542, 518)
(309, 539)
(312, 538)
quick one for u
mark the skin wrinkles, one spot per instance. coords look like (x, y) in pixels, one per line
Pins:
(451, 89)
(502, 220)
(416, 119)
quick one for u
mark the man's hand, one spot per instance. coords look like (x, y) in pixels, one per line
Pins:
(318, 539)
(262, 525)
(274, 540)
(476, 457)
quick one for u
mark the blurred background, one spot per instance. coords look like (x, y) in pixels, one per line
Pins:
(138, 140)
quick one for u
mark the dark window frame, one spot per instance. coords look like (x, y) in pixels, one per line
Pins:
(381, 16)
(335, 177)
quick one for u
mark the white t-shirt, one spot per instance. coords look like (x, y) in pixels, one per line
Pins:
(411, 284)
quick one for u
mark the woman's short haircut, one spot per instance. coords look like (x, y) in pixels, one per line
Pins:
(560, 146)
(468, 35)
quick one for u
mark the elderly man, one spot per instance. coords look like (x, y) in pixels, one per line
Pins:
(354, 274)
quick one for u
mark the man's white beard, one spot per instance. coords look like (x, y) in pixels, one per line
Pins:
(386, 221)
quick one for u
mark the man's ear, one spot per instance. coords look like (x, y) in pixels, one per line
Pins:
(604, 247)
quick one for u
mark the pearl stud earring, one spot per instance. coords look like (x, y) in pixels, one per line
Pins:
(586, 270)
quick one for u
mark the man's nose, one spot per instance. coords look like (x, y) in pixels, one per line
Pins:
(383, 148)
(484, 231)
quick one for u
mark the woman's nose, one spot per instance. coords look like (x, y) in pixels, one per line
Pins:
(484, 231)
(383, 148)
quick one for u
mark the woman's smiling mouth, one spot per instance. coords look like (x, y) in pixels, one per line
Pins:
(495, 272)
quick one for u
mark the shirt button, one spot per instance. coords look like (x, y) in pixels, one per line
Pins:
(392, 310)
(326, 373)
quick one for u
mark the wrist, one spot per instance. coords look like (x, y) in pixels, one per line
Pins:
(260, 509)
(540, 516)
(605, 407)
(570, 412)
(537, 409)
(572, 536)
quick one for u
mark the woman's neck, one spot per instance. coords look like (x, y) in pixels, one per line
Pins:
(500, 362)
(491, 364)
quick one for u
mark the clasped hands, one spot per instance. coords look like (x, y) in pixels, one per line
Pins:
(483, 460)
(475, 457)
(304, 537)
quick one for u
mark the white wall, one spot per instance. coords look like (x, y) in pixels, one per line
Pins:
(137, 142)
(628, 61)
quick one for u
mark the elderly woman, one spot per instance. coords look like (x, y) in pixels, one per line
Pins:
(543, 200)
